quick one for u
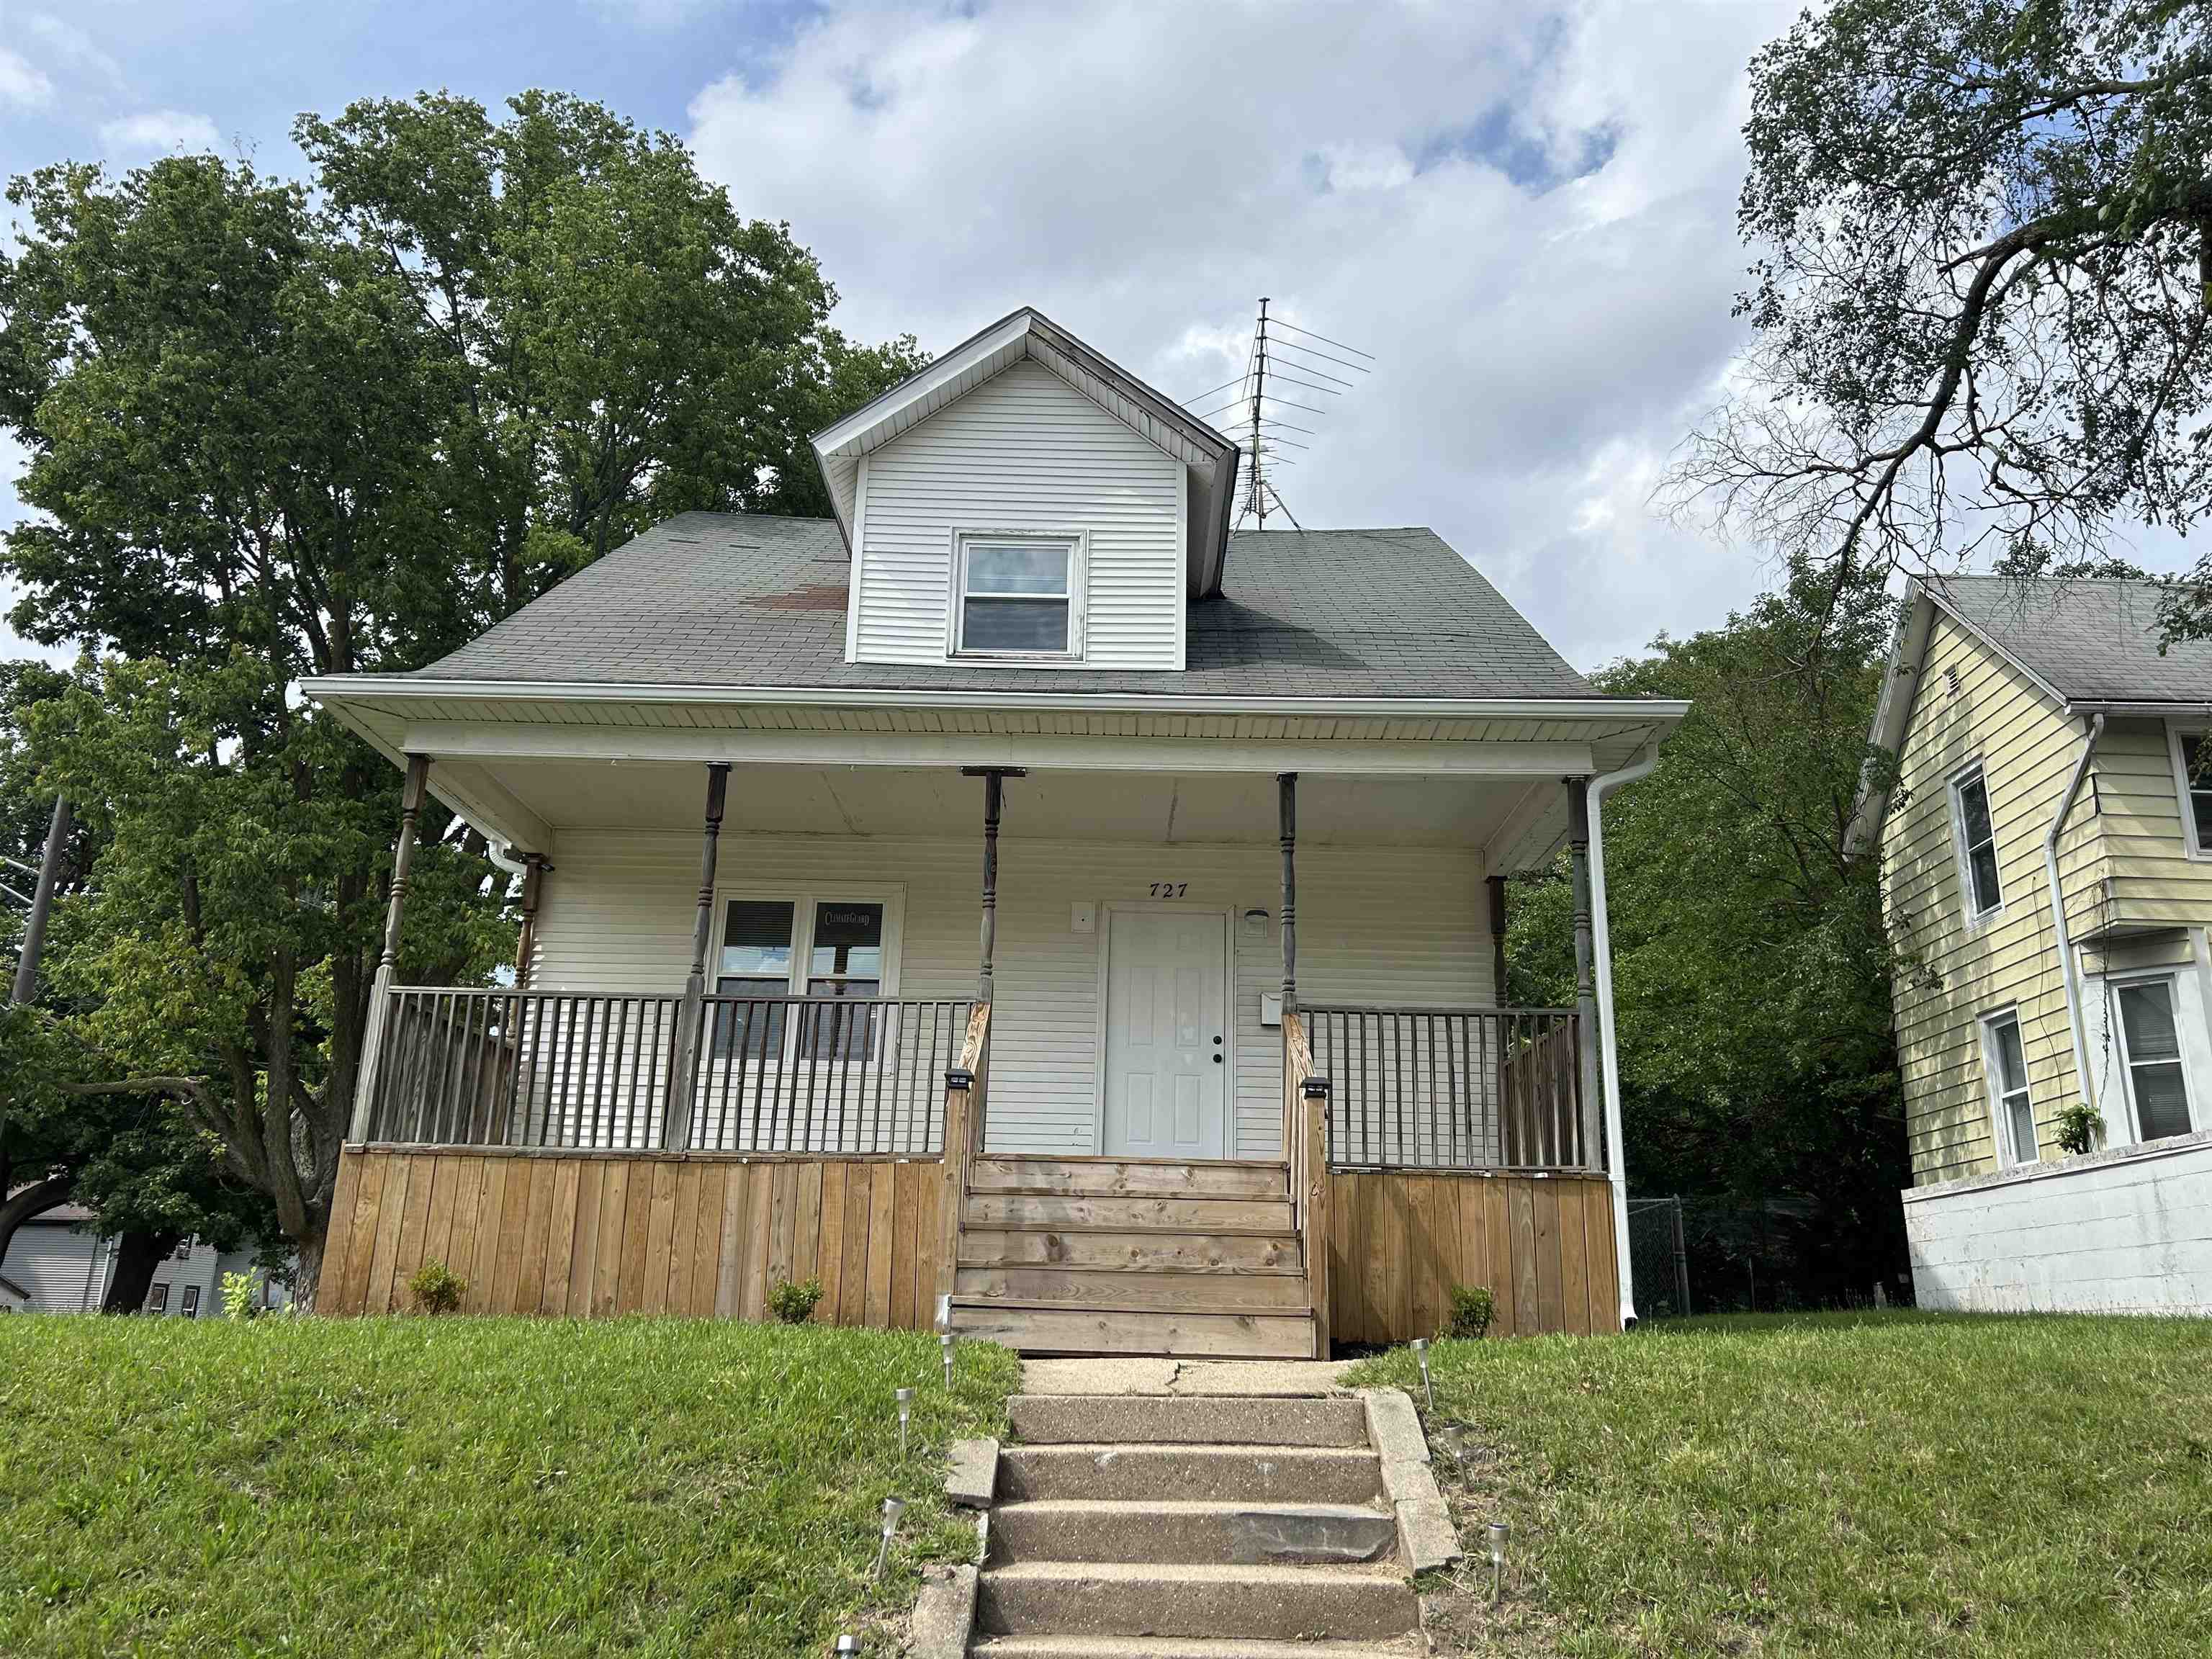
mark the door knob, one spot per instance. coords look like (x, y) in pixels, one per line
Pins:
(1216, 1059)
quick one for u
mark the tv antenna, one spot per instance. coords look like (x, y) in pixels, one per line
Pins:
(1282, 354)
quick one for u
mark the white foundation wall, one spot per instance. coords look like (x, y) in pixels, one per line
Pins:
(2121, 1232)
(1399, 926)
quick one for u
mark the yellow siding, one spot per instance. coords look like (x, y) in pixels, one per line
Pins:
(2148, 877)
(2028, 749)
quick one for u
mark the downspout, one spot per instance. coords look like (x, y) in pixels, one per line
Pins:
(2094, 731)
(1608, 1053)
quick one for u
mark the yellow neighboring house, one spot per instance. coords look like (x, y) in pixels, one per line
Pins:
(2043, 739)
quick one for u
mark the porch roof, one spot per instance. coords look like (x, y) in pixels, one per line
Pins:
(730, 599)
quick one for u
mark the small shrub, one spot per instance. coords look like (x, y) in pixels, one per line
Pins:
(2079, 1128)
(436, 1288)
(1472, 1308)
(238, 1291)
(794, 1303)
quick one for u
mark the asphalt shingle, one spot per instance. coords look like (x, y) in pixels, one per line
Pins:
(710, 599)
(2089, 640)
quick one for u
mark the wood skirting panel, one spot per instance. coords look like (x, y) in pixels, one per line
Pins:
(1399, 1240)
(593, 1236)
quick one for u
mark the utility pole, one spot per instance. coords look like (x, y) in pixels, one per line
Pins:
(42, 904)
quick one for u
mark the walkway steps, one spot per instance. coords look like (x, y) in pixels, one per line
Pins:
(1103, 1256)
(1186, 1647)
(1200, 1419)
(1281, 1604)
(1189, 1532)
(1169, 1474)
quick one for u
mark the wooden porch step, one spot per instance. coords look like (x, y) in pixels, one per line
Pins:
(1055, 1329)
(1028, 1208)
(1217, 1251)
(1152, 1291)
(1127, 1176)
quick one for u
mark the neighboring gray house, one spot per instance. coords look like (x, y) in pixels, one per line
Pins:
(56, 1264)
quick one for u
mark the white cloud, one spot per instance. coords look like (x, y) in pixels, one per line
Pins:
(23, 84)
(70, 45)
(159, 132)
(1401, 178)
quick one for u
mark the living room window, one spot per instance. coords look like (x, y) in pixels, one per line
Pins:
(2150, 1044)
(2192, 783)
(1976, 840)
(1018, 595)
(824, 947)
(2013, 1106)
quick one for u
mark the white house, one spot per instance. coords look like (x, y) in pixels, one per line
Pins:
(1163, 862)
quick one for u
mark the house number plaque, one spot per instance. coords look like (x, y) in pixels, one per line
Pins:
(1169, 888)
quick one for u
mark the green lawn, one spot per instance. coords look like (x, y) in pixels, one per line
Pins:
(464, 1486)
(1891, 1484)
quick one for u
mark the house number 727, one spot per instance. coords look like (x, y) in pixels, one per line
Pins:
(1169, 888)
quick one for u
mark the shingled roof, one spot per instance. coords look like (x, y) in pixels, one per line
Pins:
(2088, 640)
(709, 598)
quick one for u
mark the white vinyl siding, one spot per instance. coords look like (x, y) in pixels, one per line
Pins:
(1022, 452)
(1402, 927)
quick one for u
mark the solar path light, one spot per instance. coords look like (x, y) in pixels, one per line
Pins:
(893, 1507)
(849, 1644)
(905, 1398)
(1497, 1560)
(1420, 1346)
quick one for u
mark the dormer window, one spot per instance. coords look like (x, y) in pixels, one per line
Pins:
(1018, 595)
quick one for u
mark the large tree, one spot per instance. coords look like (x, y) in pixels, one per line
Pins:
(1984, 265)
(1751, 967)
(276, 432)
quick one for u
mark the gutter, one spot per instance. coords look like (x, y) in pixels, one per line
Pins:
(2095, 731)
(364, 687)
(1608, 1051)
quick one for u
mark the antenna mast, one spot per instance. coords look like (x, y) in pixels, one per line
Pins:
(1282, 354)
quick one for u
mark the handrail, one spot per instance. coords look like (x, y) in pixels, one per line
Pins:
(1305, 1150)
(964, 1086)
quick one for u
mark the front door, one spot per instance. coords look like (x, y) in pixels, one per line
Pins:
(1167, 1034)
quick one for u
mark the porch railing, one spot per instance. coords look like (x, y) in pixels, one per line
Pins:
(1451, 1088)
(594, 1070)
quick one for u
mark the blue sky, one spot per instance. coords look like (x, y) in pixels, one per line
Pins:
(1526, 214)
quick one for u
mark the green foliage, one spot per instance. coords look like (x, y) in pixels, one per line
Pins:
(279, 430)
(1866, 1485)
(2079, 1127)
(1751, 965)
(1472, 1309)
(1980, 286)
(794, 1303)
(238, 1293)
(435, 1288)
(408, 1486)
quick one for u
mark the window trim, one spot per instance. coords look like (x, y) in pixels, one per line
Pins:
(1962, 854)
(2010, 1154)
(804, 897)
(2115, 985)
(190, 1307)
(1078, 544)
(2176, 732)
(157, 1297)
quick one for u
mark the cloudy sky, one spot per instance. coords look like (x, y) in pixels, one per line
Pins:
(1526, 215)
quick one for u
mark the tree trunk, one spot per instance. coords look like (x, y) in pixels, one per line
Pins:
(34, 1199)
(308, 1273)
(136, 1255)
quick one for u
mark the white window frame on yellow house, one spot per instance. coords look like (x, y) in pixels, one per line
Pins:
(2001, 1092)
(1976, 918)
(2193, 1043)
(2178, 735)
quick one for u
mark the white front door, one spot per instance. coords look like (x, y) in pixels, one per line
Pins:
(1167, 1034)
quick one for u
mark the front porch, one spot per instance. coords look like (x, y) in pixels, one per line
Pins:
(1206, 1061)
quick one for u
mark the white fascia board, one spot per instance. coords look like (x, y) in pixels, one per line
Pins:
(489, 740)
(372, 689)
(854, 428)
(1892, 710)
(479, 800)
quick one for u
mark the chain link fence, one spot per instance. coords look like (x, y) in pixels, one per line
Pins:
(1723, 1254)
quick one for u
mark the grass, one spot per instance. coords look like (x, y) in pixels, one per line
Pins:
(465, 1486)
(1883, 1484)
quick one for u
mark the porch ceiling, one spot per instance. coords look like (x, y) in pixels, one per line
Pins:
(1152, 808)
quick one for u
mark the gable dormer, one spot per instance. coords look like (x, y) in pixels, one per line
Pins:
(1024, 502)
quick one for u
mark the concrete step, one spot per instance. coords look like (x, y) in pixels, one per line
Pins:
(1229, 1474)
(1055, 1328)
(1183, 1532)
(1261, 1603)
(1186, 1647)
(1129, 1177)
(1144, 1213)
(1218, 1251)
(1154, 1290)
(1156, 1420)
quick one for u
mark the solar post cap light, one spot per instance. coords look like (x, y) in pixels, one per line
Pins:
(945, 1343)
(905, 1398)
(1420, 1346)
(1497, 1559)
(892, 1507)
(849, 1644)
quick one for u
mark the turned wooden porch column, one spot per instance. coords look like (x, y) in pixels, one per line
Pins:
(676, 1122)
(1588, 1083)
(411, 796)
(1497, 887)
(1286, 784)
